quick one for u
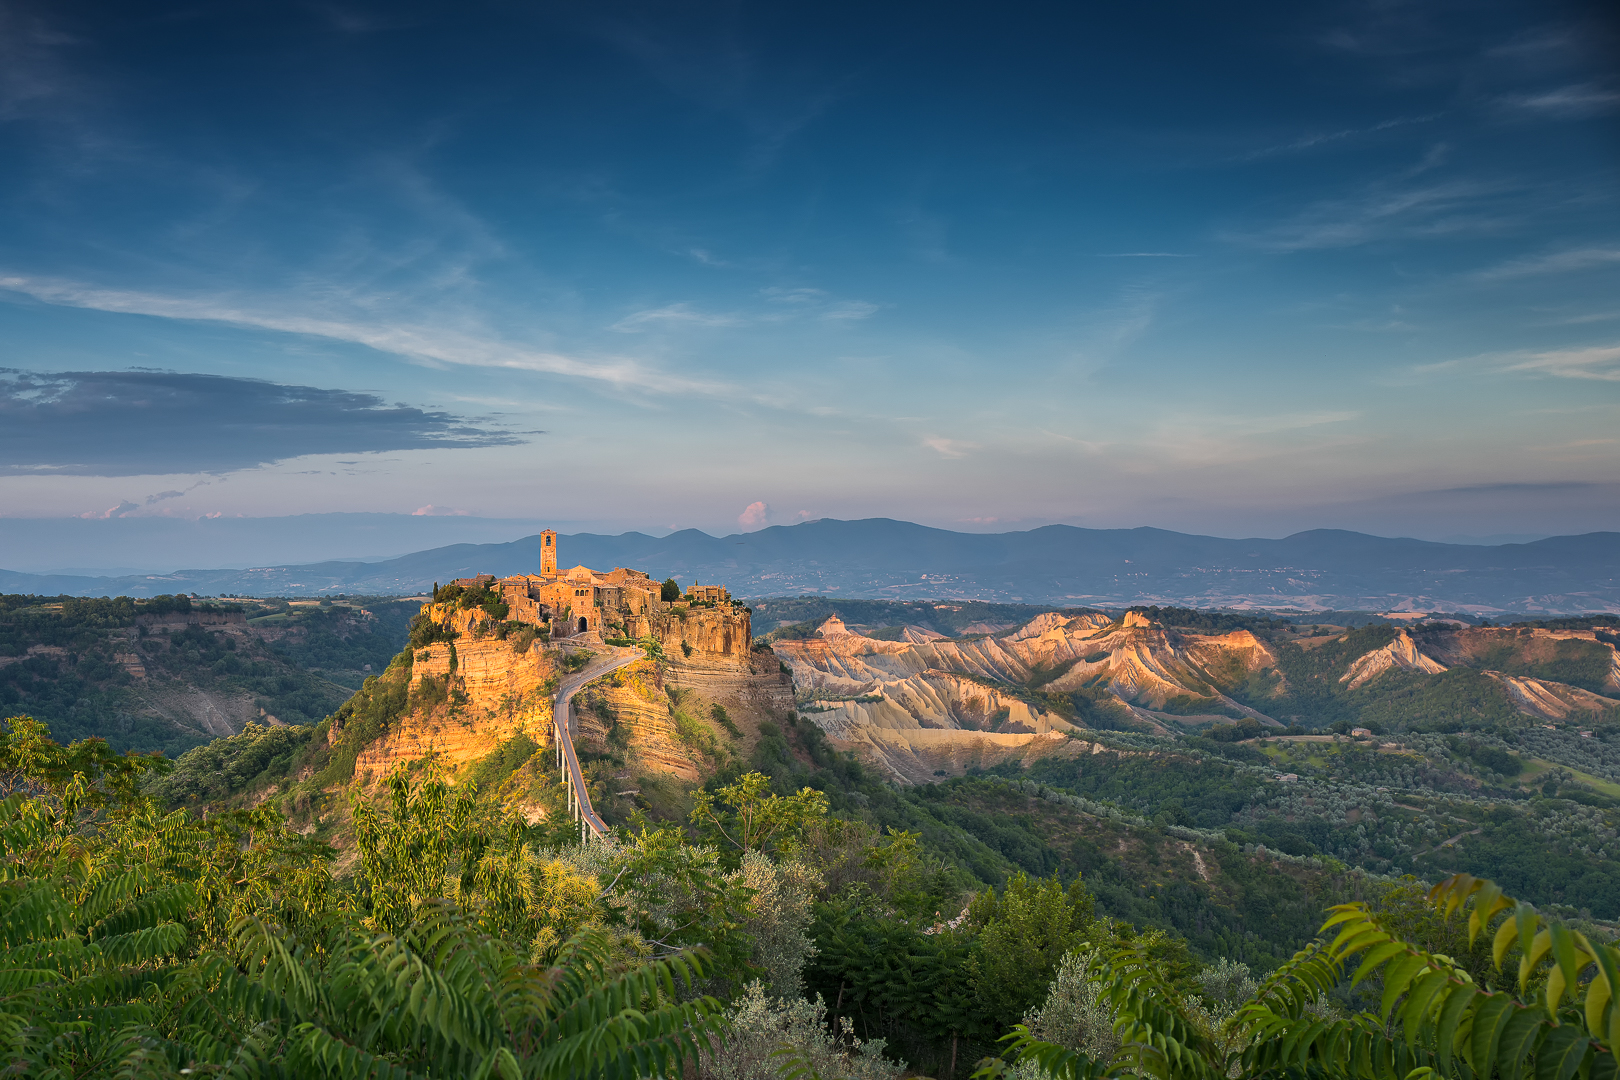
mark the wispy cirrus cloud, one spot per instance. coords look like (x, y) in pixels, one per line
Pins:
(789, 304)
(779, 294)
(1557, 262)
(1578, 99)
(423, 342)
(850, 310)
(1328, 138)
(1592, 362)
(1455, 207)
(1599, 362)
(681, 314)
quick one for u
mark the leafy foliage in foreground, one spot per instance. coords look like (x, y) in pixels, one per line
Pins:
(136, 943)
(1557, 1018)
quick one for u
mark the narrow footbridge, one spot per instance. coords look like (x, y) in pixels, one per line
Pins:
(579, 798)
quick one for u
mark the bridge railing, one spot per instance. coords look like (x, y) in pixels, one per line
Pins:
(579, 796)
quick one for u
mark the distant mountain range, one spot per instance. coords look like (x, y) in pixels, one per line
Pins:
(1057, 564)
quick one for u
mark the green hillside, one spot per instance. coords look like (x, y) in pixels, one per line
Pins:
(135, 673)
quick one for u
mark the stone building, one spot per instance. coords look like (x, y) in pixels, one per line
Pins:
(708, 594)
(616, 603)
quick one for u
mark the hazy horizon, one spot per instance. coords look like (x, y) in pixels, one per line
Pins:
(160, 545)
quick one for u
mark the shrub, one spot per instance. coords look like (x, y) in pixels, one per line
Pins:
(769, 1035)
(425, 631)
(1077, 1015)
(718, 713)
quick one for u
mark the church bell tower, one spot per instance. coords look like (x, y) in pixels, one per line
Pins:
(548, 553)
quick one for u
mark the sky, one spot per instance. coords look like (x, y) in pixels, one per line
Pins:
(1230, 269)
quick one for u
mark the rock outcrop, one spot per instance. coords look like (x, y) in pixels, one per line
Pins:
(466, 699)
(495, 681)
(1136, 660)
(930, 701)
(1547, 700)
(1401, 654)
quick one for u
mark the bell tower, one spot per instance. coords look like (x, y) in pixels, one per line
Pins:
(548, 553)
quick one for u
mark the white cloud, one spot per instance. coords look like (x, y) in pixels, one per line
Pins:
(674, 314)
(1589, 317)
(754, 516)
(705, 257)
(1453, 208)
(1576, 99)
(776, 294)
(1308, 142)
(792, 304)
(1595, 362)
(1558, 262)
(951, 448)
(852, 309)
(439, 511)
(121, 510)
(432, 344)
(1600, 362)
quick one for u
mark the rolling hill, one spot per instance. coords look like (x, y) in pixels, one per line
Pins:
(1057, 564)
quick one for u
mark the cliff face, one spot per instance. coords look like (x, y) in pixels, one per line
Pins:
(466, 699)
(471, 696)
(1521, 651)
(631, 706)
(927, 699)
(1135, 660)
(1401, 654)
(710, 639)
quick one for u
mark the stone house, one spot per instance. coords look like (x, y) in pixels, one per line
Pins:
(708, 594)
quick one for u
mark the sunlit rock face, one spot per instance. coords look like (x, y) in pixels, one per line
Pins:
(1402, 653)
(925, 697)
(925, 693)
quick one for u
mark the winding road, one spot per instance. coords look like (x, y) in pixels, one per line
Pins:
(607, 658)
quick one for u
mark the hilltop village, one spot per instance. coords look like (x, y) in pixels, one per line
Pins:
(486, 650)
(586, 606)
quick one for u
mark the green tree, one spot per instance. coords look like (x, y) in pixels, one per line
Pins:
(748, 816)
(671, 591)
(407, 855)
(1023, 935)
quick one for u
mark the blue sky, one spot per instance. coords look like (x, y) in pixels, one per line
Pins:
(1231, 270)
